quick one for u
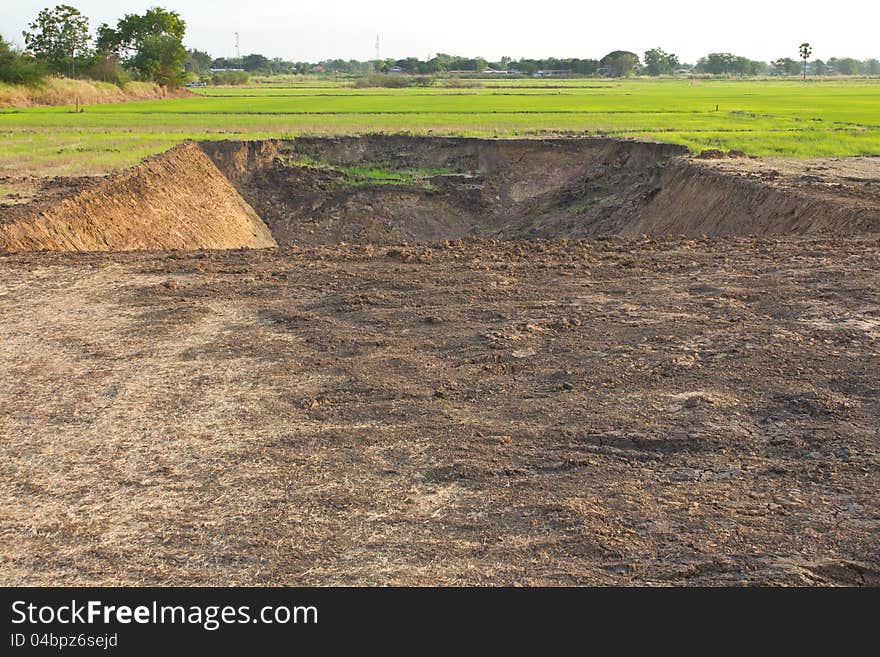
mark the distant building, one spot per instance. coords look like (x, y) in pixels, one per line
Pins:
(604, 71)
(396, 69)
(552, 73)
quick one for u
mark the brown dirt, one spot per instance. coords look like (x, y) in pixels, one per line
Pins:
(839, 196)
(546, 188)
(508, 189)
(500, 188)
(25, 195)
(486, 411)
(574, 412)
(177, 200)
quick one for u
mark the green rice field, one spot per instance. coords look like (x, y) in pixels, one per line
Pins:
(760, 117)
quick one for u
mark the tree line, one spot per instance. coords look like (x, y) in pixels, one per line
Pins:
(655, 62)
(150, 47)
(145, 46)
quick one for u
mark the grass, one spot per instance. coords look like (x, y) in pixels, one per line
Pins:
(355, 176)
(364, 175)
(60, 91)
(760, 117)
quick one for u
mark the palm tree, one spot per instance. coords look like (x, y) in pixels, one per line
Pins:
(806, 51)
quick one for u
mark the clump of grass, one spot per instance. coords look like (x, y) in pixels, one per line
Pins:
(363, 174)
(371, 175)
(582, 206)
(307, 161)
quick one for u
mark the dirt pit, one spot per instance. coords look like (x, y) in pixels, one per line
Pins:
(391, 189)
(397, 189)
(376, 401)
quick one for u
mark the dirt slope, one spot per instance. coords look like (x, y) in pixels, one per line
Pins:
(507, 188)
(546, 188)
(754, 198)
(176, 200)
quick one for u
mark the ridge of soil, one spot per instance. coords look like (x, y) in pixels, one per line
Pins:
(176, 200)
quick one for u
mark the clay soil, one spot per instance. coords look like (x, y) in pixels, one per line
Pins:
(564, 412)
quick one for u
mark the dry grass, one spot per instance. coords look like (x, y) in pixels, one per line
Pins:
(61, 91)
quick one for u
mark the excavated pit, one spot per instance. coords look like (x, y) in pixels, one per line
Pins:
(392, 189)
(478, 412)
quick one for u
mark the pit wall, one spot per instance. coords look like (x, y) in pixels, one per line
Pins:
(508, 189)
(695, 200)
(229, 195)
(176, 200)
(561, 188)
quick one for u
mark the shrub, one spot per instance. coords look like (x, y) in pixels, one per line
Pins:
(106, 67)
(393, 81)
(458, 83)
(230, 78)
(16, 68)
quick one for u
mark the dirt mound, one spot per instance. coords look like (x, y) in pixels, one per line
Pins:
(177, 200)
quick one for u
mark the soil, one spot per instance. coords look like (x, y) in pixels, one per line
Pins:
(177, 200)
(296, 192)
(481, 412)
(417, 388)
(26, 195)
(498, 188)
(548, 188)
(839, 196)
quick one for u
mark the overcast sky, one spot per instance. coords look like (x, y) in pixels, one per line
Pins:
(347, 29)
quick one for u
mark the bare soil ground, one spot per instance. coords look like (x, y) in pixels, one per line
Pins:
(855, 180)
(565, 412)
(25, 194)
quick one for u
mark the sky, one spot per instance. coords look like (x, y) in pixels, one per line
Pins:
(347, 29)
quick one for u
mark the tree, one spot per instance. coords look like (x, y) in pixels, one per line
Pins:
(845, 65)
(806, 50)
(621, 62)
(658, 62)
(786, 66)
(725, 63)
(197, 61)
(151, 45)
(57, 36)
(16, 68)
(253, 63)
(107, 67)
